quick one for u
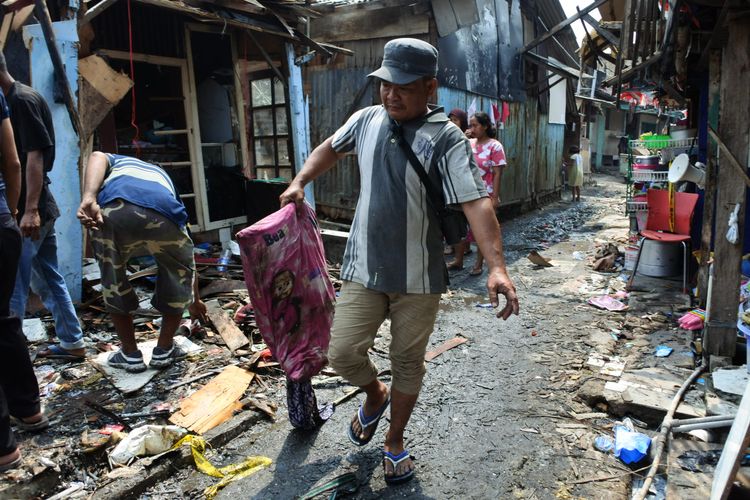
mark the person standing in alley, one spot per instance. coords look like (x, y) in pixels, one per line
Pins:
(393, 264)
(575, 172)
(132, 209)
(490, 157)
(19, 391)
(37, 211)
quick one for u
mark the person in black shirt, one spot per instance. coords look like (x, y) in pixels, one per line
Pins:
(19, 391)
(37, 267)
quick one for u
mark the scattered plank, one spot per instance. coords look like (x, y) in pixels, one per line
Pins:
(225, 326)
(588, 416)
(263, 407)
(734, 449)
(222, 286)
(215, 402)
(445, 346)
(608, 478)
(194, 379)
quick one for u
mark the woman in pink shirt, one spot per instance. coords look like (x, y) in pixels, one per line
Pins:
(490, 157)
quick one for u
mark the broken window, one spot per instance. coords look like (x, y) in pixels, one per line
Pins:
(270, 129)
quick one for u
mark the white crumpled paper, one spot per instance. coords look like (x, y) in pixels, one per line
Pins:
(146, 440)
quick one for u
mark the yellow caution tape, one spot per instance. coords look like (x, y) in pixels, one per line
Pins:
(228, 473)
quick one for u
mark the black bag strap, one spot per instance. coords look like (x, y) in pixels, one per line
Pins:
(434, 196)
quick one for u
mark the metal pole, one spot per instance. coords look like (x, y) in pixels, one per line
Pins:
(706, 425)
(700, 420)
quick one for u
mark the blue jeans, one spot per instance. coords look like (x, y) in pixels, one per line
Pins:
(38, 268)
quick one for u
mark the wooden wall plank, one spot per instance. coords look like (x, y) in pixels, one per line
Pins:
(709, 199)
(734, 130)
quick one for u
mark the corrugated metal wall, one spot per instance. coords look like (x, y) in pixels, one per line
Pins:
(332, 89)
(533, 147)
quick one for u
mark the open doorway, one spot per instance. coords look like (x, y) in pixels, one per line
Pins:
(219, 125)
(161, 131)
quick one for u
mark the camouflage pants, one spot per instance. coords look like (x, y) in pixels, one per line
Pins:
(132, 231)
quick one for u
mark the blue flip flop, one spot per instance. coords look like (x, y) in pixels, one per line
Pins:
(366, 422)
(395, 460)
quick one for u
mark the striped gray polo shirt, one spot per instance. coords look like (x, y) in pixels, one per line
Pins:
(395, 244)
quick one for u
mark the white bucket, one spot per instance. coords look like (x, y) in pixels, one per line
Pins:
(631, 253)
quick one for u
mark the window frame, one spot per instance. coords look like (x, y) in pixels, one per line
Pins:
(276, 136)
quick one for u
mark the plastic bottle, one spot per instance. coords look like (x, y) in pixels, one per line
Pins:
(224, 259)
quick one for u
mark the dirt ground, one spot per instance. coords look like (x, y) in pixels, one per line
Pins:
(497, 415)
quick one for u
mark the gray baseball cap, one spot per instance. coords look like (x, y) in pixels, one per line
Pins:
(406, 60)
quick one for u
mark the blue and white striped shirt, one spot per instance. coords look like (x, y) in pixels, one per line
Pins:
(142, 184)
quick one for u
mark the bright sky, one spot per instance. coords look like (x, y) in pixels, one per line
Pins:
(569, 6)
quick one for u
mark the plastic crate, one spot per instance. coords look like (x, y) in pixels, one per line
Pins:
(650, 176)
(634, 206)
(656, 141)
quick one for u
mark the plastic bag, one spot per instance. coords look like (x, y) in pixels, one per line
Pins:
(286, 275)
(630, 446)
(733, 231)
(146, 440)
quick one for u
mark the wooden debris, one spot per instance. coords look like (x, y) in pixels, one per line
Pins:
(734, 449)
(263, 407)
(222, 286)
(445, 346)
(226, 327)
(215, 402)
(608, 478)
(588, 416)
(101, 89)
(194, 379)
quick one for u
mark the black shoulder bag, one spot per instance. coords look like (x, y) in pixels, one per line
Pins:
(451, 221)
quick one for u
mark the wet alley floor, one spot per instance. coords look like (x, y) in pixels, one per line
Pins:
(497, 417)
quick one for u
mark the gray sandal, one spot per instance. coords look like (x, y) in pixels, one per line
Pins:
(40, 425)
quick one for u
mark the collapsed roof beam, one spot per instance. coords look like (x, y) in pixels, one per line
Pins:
(562, 47)
(268, 59)
(94, 11)
(630, 73)
(562, 25)
(606, 34)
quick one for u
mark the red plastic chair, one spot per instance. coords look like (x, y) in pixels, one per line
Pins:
(658, 227)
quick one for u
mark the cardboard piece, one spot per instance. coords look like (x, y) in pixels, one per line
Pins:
(215, 402)
(131, 382)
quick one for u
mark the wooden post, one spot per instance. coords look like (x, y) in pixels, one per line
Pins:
(709, 198)
(45, 21)
(721, 331)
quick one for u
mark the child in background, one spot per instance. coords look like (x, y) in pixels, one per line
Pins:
(575, 172)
